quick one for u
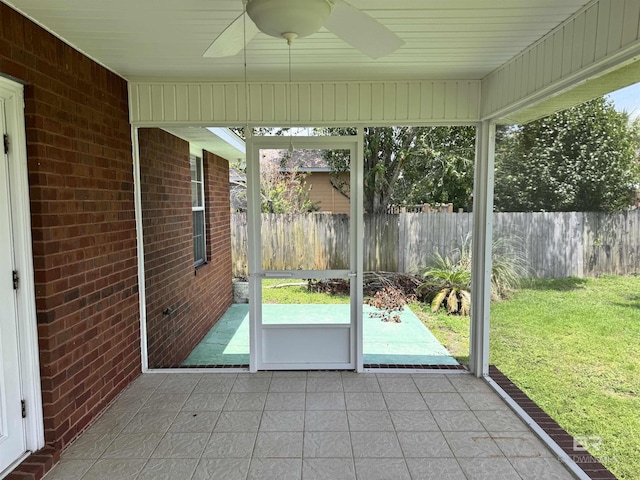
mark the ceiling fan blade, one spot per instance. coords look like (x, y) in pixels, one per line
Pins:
(232, 39)
(361, 31)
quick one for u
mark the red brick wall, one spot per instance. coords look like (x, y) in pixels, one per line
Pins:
(84, 239)
(196, 297)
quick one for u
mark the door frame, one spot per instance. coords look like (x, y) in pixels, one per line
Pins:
(254, 144)
(13, 95)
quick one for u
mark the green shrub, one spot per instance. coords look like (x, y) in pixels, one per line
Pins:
(448, 279)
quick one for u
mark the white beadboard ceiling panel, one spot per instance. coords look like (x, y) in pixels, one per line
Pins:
(165, 39)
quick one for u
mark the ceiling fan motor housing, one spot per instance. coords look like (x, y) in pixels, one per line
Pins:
(279, 17)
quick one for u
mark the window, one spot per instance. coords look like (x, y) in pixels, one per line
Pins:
(197, 207)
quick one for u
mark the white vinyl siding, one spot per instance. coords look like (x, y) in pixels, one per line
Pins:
(325, 103)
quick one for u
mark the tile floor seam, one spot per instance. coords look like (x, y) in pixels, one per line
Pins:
(514, 467)
(346, 412)
(142, 469)
(519, 477)
(455, 457)
(255, 440)
(395, 431)
(200, 459)
(213, 429)
(93, 462)
(100, 457)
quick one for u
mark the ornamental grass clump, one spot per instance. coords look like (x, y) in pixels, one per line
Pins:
(448, 279)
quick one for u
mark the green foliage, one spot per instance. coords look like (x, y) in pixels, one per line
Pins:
(448, 280)
(286, 192)
(410, 165)
(281, 191)
(508, 266)
(442, 169)
(580, 159)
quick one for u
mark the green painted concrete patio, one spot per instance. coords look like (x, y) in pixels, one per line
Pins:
(385, 343)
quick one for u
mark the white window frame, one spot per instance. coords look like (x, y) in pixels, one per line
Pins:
(199, 167)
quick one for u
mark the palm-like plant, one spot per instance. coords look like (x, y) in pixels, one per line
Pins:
(447, 283)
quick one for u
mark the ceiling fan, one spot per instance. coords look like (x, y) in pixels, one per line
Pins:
(290, 19)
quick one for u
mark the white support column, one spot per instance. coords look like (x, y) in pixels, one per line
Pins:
(142, 298)
(482, 239)
(357, 185)
(254, 257)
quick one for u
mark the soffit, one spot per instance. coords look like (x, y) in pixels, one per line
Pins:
(220, 141)
(165, 39)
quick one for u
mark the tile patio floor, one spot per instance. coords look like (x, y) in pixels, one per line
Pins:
(311, 426)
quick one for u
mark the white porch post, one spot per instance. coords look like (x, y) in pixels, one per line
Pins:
(142, 296)
(481, 259)
(254, 257)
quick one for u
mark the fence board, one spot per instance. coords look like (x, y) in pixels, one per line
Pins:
(555, 245)
(239, 245)
(381, 233)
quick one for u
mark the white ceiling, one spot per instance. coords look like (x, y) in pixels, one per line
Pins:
(165, 39)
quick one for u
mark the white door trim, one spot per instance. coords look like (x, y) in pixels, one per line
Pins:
(13, 95)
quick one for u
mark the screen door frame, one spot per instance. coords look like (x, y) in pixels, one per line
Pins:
(260, 335)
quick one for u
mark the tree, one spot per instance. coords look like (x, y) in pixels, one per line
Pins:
(443, 172)
(283, 191)
(410, 165)
(580, 159)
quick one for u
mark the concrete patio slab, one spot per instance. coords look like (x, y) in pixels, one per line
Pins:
(408, 342)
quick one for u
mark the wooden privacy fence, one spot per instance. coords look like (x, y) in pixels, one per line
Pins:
(555, 245)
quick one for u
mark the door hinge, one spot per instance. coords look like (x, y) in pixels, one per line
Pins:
(23, 408)
(6, 144)
(16, 280)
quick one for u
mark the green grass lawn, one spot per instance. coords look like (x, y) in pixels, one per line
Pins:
(295, 294)
(573, 346)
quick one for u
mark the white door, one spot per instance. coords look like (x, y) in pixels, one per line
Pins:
(288, 336)
(12, 428)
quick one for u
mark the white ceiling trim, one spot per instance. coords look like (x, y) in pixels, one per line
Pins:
(312, 104)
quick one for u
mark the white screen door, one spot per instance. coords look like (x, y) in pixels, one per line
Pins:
(12, 429)
(305, 226)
